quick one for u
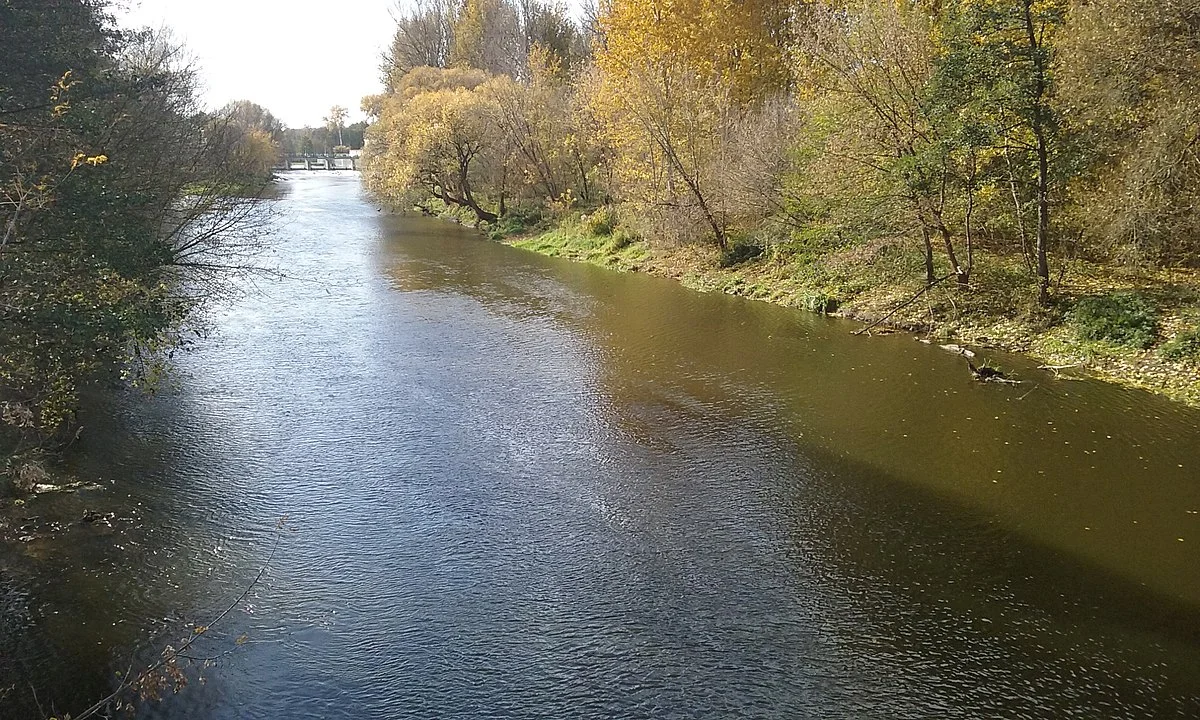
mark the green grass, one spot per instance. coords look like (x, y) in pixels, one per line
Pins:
(573, 243)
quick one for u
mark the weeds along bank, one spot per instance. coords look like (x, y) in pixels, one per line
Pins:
(1011, 173)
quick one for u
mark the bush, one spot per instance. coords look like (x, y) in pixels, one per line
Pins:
(1184, 346)
(621, 239)
(601, 222)
(517, 221)
(739, 252)
(819, 302)
(1122, 318)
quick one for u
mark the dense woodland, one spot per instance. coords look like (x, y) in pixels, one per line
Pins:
(956, 133)
(123, 206)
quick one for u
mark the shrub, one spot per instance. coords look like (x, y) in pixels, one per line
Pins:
(621, 239)
(739, 252)
(601, 222)
(1184, 346)
(1122, 318)
(516, 221)
(819, 302)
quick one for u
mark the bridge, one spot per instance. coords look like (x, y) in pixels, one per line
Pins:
(319, 162)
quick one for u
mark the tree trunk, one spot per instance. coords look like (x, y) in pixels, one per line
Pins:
(1043, 231)
(961, 276)
(929, 273)
(1043, 155)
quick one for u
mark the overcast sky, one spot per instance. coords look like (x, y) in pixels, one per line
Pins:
(296, 58)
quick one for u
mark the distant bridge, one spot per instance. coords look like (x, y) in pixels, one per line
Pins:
(319, 162)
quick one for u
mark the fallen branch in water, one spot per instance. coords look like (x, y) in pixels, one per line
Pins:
(169, 656)
(1057, 370)
(904, 304)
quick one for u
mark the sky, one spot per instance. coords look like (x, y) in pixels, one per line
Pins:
(296, 58)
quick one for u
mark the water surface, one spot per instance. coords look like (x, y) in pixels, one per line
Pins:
(523, 488)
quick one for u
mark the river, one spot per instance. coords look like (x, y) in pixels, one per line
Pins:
(518, 487)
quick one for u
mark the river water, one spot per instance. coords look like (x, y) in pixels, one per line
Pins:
(518, 487)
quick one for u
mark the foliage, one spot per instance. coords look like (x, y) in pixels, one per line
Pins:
(1122, 318)
(1130, 83)
(601, 222)
(621, 238)
(435, 138)
(684, 95)
(992, 142)
(115, 222)
(1184, 346)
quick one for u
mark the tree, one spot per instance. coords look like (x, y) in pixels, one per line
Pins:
(336, 120)
(116, 222)
(873, 145)
(548, 150)
(1007, 50)
(1130, 90)
(434, 138)
(424, 37)
(676, 78)
(253, 134)
(487, 36)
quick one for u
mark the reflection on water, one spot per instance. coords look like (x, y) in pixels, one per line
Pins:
(526, 488)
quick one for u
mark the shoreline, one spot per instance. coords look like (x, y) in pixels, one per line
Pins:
(945, 315)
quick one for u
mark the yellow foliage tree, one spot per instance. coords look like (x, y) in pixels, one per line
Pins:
(676, 81)
(432, 138)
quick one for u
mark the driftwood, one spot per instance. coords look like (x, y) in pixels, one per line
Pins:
(989, 374)
(958, 350)
(1057, 370)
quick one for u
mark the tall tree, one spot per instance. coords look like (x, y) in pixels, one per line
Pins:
(101, 137)
(336, 120)
(676, 80)
(487, 36)
(1005, 51)
(424, 37)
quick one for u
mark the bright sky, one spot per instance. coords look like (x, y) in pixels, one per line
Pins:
(296, 58)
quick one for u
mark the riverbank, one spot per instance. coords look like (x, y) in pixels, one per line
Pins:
(1159, 308)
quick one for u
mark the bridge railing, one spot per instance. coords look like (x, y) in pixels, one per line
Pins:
(318, 162)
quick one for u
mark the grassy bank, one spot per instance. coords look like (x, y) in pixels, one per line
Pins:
(1132, 326)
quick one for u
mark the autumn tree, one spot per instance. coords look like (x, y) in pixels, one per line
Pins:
(252, 135)
(675, 79)
(433, 138)
(550, 154)
(873, 157)
(487, 36)
(1130, 76)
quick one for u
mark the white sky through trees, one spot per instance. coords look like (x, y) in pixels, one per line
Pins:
(296, 58)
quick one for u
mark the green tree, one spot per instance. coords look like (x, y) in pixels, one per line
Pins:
(103, 259)
(997, 66)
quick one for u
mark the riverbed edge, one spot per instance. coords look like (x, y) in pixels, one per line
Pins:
(1054, 345)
